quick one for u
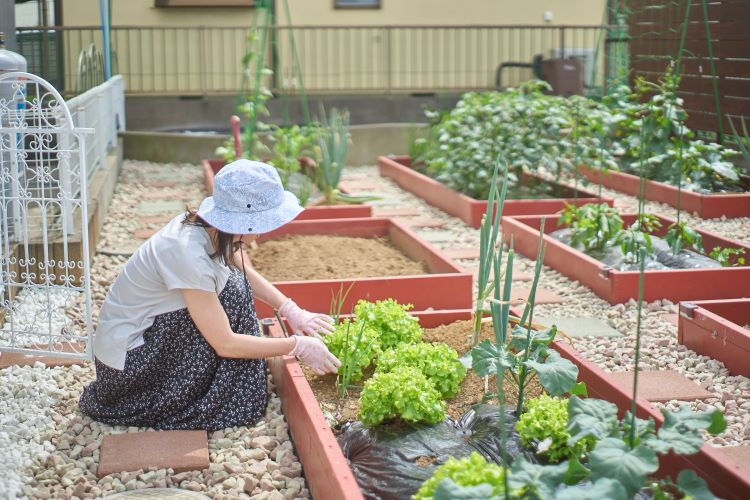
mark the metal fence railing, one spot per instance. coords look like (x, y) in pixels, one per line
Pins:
(200, 60)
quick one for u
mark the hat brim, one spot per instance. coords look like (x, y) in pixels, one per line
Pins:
(250, 223)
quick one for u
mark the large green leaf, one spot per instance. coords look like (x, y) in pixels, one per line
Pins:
(603, 489)
(612, 458)
(538, 337)
(556, 374)
(576, 472)
(590, 417)
(488, 359)
(681, 430)
(693, 487)
(449, 490)
(543, 479)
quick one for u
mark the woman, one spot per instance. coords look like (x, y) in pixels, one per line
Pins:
(178, 343)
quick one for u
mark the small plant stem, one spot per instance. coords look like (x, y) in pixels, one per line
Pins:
(641, 280)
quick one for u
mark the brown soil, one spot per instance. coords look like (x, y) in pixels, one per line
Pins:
(458, 336)
(307, 257)
(424, 461)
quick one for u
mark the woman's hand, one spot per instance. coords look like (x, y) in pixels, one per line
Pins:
(314, 353)
(304, 322)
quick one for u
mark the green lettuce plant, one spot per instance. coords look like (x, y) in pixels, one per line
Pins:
(438, 362)
(404, 393)
(356, 345)
(728, 257)
(472, 474)
(391, 321)
(543, 425)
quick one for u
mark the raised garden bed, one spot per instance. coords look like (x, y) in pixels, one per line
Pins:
(719, 329)
(212, 167)
(329, 475)
(620, 286)
(471, 210)
(442, 285)
(707, 206)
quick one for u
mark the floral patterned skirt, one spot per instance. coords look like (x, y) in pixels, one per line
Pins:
(175, 380)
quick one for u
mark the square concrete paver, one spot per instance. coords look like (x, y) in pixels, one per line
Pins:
(160, 207)
(662, 385)
(579, 327)
(543, 296)
(155, 219)
(740, 455)
(462, 253)
(179, 450)
(396, 212)
(425, 222)
(437, 236)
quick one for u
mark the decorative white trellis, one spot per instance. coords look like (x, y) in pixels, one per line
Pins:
(45, 291)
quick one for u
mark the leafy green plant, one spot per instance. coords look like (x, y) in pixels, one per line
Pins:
(728, 256)
(405, 393)
(680, 236)
(472, 471)
(594, 226)
(356, 345)
(391, 321)
(438, 362)
(638, 235)
(544, 426)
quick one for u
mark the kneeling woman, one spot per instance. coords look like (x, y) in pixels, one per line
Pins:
(178, 343)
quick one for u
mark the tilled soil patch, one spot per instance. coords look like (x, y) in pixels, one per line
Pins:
(309, 257)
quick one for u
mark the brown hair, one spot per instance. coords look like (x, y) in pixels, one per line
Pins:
(223, 242)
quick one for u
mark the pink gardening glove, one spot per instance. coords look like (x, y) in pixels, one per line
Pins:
(304, 322)
(314, 353)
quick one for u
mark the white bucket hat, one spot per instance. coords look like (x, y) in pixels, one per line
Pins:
(249, 199)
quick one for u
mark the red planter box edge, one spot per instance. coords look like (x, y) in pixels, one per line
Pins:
(715, 328)
(336, 479)
(469, 210)
(449, 286)
(211, 168)
(707, 206)
(620, 286)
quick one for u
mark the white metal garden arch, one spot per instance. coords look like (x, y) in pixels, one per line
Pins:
(45, 291)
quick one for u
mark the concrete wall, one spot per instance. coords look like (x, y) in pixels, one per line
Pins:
(368, 142)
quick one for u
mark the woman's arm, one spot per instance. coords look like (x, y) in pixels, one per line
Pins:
(210, 318)
(262, 288)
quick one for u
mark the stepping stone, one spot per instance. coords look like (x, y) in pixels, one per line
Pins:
(160, 207)
(740, 455)
(425, 222)
(518, 275)
(396, 212)
(19, 359)
(580, 327)
(462, 253)
(150, 493)
(144, 234)
(155, 219)
(662, 386)
(437, 236)
(170, 195)
(357, 186)
(543, 296)
(179, 450)
(671, 318)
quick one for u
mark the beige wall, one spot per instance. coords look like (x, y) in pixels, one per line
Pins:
(199, 50)
(321, 12)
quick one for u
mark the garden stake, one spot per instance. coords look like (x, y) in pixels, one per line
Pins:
(641, 279)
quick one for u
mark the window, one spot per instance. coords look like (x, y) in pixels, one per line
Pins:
(356, 4)
(204, 3)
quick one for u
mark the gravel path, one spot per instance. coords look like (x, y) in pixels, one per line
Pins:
(48, 449)
(660, 349)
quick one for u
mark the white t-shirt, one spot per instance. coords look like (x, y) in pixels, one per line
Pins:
(177, 257)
